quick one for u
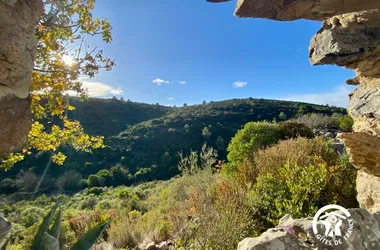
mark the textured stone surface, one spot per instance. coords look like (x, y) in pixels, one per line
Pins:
(351, 41)
(365, 235)
(273, 239)
(18, 21)
(5, 227)
(364, 151)
(15, 120)
(368, 187)
(364, 106)
(286, 10)
(165, 245)
(103, 246)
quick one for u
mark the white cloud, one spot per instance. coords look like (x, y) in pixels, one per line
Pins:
(338, 97)
(159, 81)
(181, 82)
(98, 89)
(239, 84)
(170, 98)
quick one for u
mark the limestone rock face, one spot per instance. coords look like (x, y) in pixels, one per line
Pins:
(368, 187)
(286, 10)
(364, 151)
(351, 41)
(15, 120)
(364, 106)
(273, 239)
(365, 235)
(18, 19)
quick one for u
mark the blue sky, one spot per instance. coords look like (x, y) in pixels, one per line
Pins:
(207, 49)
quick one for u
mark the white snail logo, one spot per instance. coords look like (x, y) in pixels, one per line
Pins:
(332, 223)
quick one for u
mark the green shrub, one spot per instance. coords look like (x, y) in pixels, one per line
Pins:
(290, 130)
(124, 230)
(298, 191)
(69, 181)
(95, 181)
(95, 190)
(346, 123)
(31, 215)
(254, 136)
(282, 116)
(67, 236)
(8, 186)
(89, 203)
(105, 205)
(297, 176)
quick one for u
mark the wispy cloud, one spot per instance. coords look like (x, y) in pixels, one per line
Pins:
(170, 98)
(338, 97)
(159, 81)
(239, 84)
(98, 89)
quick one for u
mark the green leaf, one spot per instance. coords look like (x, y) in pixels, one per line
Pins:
(49, 242)
(44, 227)
(56, 228)
(89, 238)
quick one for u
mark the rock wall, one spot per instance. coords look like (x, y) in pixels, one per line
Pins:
(18, 19)
(287, 10)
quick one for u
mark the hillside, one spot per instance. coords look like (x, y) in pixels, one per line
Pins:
(157, 141)
(111, 116)
(149, 148)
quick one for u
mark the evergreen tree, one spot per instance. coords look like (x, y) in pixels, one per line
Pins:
(220, 144)
(282, 116)
(206, 133)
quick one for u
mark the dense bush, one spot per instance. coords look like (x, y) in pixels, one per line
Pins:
(254, 136)
(297, 177)
(346, 123)
(259, 135)
(70, 180)
(298, 192)
(290, 130)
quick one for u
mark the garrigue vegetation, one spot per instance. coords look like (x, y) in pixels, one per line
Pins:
(230, 169)
(138, 150)
(203, 206)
